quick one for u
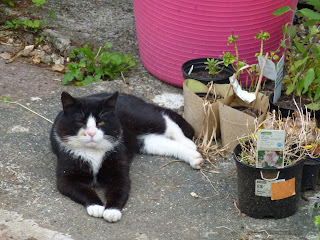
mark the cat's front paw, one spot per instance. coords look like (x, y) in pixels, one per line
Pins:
(196, 161)
(95, 210)
(112, 215)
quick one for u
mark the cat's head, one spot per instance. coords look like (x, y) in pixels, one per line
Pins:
(88, 122)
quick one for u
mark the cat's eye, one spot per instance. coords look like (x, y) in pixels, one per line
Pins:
(101, 123)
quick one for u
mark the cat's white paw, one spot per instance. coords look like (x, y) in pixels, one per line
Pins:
(188, 143)
(196, 160)
(95, 210)
(112, 215)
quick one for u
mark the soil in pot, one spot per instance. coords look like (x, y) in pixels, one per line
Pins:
(249, 110)
(205, 74)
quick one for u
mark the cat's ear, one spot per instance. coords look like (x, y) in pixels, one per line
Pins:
(111, 101)
(67, 101)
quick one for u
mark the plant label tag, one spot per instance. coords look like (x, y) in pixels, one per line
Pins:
(270, 147)
(278, 81)
(263, 187)
(270, 71)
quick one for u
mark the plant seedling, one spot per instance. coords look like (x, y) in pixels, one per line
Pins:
(213, 66)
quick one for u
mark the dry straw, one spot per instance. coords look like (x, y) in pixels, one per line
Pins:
(301, 137)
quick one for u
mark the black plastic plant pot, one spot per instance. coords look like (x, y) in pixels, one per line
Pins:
(310, 174)
(288, 111)
(199, 66)
(257, 206)
(285, 111)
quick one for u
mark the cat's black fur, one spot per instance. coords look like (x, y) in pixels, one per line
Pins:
(124, 117)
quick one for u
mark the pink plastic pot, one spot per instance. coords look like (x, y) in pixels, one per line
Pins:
(171, 32)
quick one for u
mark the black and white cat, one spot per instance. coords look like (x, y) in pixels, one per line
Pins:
(95, 138)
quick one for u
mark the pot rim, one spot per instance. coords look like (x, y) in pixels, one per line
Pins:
(199, 62)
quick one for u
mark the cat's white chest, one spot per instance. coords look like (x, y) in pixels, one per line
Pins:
(93, 157)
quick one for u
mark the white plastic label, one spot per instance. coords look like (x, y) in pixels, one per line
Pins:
(278, 81)
(263, 187)
(270, 71)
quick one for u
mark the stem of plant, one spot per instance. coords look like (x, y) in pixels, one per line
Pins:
(237, 53)
(261, 48)
(98, 53)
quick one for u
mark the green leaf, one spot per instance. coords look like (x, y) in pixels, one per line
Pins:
(104, 57)
(315, 3)
(228, 58)
(310, 76)
(73, 66)
(86, 50)
(88, 80)
(281, 11)
(97, 77)
(78, 75)
(10, 3)
(299, 46)
(317, 221)
(313, 31)
(116, 58)
(308, 13)
(299, 63)
(5, 99)
(314, 106)
(36, 24)
(9, 25)
(82, 63)
(53, 15)
(38, 3)
(317, 94)
(317, 71)
(107, 45)
(68, 77)
(291, 32)
(310, 23)
(99, 71)
(300, 85)
(290, 88)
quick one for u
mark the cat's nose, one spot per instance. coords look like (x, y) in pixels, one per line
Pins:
(91, 131)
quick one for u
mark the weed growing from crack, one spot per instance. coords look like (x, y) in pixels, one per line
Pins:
(93, 66)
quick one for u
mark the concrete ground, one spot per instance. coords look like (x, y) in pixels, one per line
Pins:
(161, 205)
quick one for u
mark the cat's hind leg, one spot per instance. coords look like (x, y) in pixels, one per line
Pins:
(158, 144)
(173, 131)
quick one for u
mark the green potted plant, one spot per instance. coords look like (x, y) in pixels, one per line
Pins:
(207, 70)
(302, 66)
(266, 190)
